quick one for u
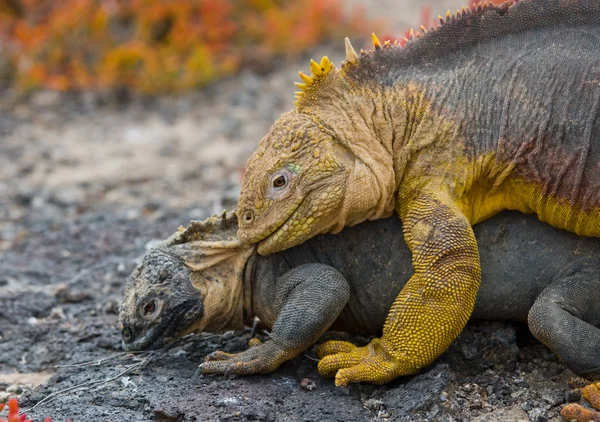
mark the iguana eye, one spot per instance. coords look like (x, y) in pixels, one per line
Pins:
(279, 181)
(150, 309)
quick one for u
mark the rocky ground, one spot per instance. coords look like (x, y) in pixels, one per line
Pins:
(88, 182)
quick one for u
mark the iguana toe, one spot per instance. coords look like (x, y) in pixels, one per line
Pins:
(592, 394)
(331, 364)
(370, 363)
(228, 368)
(219, 355)
(579, 413)
(258, 359)
(333, 347)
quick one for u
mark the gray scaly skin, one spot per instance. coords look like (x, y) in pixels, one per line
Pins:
(204, 279)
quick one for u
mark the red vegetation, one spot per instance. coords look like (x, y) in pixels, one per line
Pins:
(156, 46)
(13, 413)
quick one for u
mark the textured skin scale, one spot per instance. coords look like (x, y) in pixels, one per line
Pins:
(496, 109)
(349, 282)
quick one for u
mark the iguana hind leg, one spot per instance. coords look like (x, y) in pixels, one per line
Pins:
(566, 318)
(311, 297)
(433, 307)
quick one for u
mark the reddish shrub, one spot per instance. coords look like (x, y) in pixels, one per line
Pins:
(156, 46)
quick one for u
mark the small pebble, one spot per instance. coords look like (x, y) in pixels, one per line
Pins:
(308, 384)
(373, 404)
(14, 388)
(538, 415)
(520, 382)
(4, 397)
(57, 313)
(526, 406)
(553, 399)
(476, 404)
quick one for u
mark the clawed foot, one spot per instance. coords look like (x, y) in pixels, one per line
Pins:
(351, 364)
(579, 413)
(260, 358)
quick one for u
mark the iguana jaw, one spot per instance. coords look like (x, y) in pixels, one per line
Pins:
(174, 326)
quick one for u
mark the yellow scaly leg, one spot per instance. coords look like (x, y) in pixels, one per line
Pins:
(433, 307)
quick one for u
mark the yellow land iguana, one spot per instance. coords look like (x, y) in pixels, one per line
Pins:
(496, 109)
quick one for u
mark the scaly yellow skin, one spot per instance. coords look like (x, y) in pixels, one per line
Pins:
(443, 288)
(576, 412)
(355, 149)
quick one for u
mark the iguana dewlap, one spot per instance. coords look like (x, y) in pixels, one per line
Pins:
(496, 109)
(203, 278)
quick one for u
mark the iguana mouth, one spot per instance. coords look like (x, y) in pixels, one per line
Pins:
(155, 337)
(268, 242)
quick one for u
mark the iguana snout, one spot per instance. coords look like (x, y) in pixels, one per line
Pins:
(293, 186)
(160, 302)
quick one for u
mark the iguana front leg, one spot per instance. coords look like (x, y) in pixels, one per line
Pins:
(433, 307)
(310, 298)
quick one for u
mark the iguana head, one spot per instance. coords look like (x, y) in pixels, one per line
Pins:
(190, 282)
(320, 167)
(160, 301)
(293, 185)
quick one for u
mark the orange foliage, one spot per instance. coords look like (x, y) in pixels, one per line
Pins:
(13, 413)
(156, 46)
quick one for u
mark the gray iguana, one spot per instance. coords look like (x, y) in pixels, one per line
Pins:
(498, 108)
(204, 279)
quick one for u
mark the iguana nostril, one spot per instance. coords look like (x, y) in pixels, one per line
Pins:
(127, 335)
(248, 217)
